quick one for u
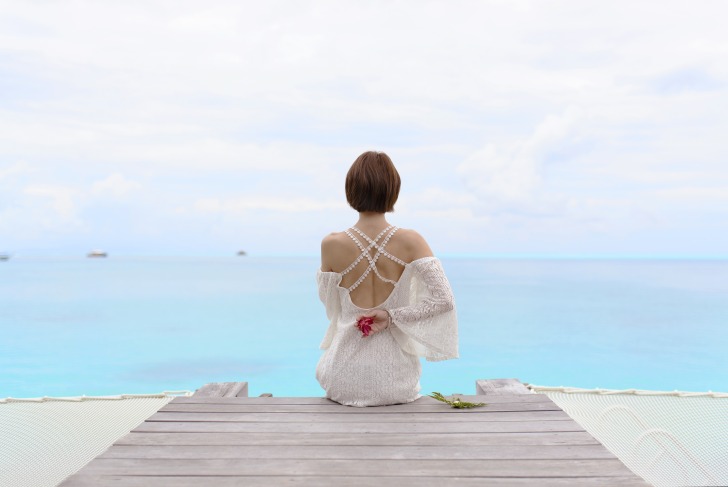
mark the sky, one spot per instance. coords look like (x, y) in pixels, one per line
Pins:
(518, 127)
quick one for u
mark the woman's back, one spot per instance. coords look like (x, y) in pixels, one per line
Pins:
(372, 279)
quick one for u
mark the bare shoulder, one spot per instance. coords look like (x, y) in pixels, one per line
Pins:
(334, 249)
(333, 240)
(415, 244)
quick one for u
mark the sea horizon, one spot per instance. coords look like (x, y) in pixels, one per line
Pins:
(449, 255)
(144, 324)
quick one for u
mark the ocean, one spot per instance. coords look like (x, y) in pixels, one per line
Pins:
(73, 326)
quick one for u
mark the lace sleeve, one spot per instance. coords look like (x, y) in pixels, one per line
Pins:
(327, 284)
(428, 326)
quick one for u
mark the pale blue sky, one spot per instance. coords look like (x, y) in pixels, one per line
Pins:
(152, 127)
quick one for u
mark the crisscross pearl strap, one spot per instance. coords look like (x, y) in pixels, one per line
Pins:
(364, 251)
(372, 260)
(380, 248)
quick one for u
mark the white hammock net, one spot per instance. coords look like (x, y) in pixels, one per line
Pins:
(44, 440)
(668, 438)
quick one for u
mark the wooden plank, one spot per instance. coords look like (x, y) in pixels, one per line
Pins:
(365, 453)
(347, 481)
(469, 416)
(524, 439)
(312, 427)
(322, 400)
(500, 387)
(520, 438)
(369, 468)
(223, 389)
(321, 408)
(355, 439)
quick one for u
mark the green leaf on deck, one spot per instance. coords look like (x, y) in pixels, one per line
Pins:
(456, 402)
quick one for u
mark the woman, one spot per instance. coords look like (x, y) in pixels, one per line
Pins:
(386, 296)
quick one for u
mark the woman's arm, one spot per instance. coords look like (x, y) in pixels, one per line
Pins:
(327, 250)
(439, 297)
(428, 327)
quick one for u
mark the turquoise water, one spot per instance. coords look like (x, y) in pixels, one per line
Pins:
(137, 325)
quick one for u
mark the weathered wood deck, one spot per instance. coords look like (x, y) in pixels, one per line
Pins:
(518, 439)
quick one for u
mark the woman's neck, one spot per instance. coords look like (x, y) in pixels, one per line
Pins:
(369, 220)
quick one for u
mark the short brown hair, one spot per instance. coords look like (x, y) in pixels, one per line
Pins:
(372, 183)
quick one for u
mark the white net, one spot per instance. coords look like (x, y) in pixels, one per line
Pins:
(668, 438)
(43, 441)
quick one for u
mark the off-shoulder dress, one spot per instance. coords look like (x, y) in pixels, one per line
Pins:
(385, 368)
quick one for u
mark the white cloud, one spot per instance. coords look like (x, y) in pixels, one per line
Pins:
(38, 214)
(511, 176)
(14, 170)
(500, 114)
(691, 197)
(438, 203)
(60, 199)
(243, 205)
(115, 185)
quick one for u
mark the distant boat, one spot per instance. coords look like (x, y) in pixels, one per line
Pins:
(242, 252)
(97, 253)
(4, 256)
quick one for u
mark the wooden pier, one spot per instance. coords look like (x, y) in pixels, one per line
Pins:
(219, 437)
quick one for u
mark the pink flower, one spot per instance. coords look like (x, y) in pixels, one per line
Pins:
(365, 325)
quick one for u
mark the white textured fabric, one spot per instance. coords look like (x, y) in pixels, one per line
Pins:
(384, 368)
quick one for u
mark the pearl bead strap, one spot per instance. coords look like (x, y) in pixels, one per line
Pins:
(380, 248)
(372, 264)
(364, 251)
(372, 260)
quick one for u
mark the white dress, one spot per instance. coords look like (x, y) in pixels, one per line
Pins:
(384, 368)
